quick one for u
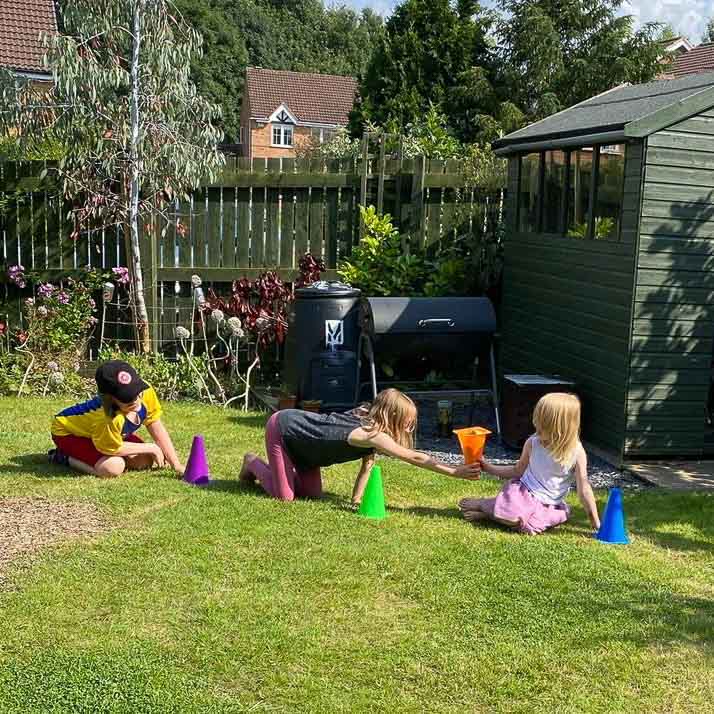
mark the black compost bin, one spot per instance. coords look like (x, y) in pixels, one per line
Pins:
(321, 346)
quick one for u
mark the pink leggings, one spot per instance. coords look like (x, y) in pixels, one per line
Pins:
(279, 477)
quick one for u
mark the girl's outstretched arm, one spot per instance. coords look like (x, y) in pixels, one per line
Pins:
(386, 445)
(161, 436)
(508, 472)
(362, 478)
(585, 492)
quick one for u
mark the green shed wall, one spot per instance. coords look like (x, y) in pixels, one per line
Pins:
(673, 317)
(567, 306)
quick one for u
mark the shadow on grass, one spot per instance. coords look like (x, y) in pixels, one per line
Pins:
(35, 465)
(664, 517)
(251, 421)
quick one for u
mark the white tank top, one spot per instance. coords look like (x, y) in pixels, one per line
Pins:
(544, 477)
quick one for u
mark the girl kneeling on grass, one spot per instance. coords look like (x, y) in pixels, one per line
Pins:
(98, 436)
(298, 443)
(534, 500)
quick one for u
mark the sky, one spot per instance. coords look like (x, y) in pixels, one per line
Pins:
(687, 17)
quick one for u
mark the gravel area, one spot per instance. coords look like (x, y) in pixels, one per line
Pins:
(601, 474)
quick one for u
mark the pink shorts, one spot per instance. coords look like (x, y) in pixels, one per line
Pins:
(82, 448)
(517, 503)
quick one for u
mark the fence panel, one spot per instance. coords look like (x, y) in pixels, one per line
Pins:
(257, 216)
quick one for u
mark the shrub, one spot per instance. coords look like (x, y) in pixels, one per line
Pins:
(381, 264)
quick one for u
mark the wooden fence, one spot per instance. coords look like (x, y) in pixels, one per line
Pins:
(256, 217)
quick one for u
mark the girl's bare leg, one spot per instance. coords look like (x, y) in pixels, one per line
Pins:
(473, 504)
(246, 475)
(476, 516)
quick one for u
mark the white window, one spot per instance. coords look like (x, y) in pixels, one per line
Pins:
(282, 135)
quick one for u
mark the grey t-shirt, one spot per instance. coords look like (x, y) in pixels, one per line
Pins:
(315, 440)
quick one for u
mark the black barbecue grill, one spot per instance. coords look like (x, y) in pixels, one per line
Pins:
(447, 330)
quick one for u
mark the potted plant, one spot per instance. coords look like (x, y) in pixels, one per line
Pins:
(286, 399)
(311, 405)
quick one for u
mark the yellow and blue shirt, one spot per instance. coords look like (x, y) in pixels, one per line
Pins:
(107, 433)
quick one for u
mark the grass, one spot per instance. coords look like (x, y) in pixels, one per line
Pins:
(222, 600)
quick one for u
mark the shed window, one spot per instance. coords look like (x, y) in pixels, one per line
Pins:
(579, 191)
(554, 190)
(610, 186)
(529, 193)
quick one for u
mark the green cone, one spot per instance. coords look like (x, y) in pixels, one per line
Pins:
(372, 505)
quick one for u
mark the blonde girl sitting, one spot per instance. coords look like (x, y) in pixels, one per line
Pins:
(534, 498)
(300, 443)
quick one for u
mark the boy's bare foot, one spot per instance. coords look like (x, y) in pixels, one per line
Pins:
(469, 504)
(245, 475)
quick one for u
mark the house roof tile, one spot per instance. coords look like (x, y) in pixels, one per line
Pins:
(698, 59)
(22, 22)
(315, 98)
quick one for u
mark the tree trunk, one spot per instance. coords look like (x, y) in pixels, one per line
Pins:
(141, 317)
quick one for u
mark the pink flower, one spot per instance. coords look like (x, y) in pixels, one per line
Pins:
(63, 297)
(46, 290)
(121, 275)
(16, 274)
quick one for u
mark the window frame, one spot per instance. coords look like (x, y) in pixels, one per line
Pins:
(565, 192)
(282, 128)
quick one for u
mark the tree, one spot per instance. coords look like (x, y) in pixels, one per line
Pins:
(427, 47)
(708, 35)
(299, 35)
(122, 101)
(559, 52)
(219, 71)
(666, 33)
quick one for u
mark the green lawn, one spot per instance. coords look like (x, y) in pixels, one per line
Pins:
(221, 600)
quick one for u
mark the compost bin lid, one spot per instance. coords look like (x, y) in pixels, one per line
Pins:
(325, 289)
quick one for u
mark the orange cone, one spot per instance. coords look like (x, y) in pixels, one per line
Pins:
(473, 441)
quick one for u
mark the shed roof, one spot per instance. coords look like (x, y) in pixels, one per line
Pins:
(314, 98)
(627, 110)
(22, 23)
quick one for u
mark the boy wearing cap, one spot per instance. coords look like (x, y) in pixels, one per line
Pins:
(99, 436)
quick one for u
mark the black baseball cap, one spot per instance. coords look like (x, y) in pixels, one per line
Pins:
(120, 380)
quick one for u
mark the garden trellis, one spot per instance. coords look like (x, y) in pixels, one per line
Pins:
(257, 216)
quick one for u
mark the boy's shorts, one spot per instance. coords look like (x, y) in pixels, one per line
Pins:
(82, 448)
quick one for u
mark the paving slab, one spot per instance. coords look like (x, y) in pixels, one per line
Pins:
(677, 475)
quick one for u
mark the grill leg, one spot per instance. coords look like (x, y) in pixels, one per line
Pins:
(372, 367)
(365, 342)
(358, 383)
(494, 391)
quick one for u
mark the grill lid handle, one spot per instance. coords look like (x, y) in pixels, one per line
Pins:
(436, 322)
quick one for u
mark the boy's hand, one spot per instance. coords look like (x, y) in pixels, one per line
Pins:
(470, 472)
(158, 456)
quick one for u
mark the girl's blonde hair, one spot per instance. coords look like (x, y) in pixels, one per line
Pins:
(394, 414)
(556, 419)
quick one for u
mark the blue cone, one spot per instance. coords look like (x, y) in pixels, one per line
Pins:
(612, 527)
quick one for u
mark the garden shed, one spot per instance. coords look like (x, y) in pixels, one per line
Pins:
(609, 267)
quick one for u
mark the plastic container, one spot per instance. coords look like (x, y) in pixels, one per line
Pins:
(473, 441)
(321, 346)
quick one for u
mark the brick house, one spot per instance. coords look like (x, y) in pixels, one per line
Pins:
(22, 23)
(695, 61)
(283, 110)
